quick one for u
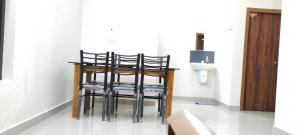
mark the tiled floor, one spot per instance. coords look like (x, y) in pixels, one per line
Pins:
(220, 120)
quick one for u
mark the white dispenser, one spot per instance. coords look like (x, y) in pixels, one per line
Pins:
(202, 76)
(202, 71)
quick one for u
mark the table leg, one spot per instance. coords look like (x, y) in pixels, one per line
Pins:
(75, 90)
(87, 93)
(86, 101)
(169, 93)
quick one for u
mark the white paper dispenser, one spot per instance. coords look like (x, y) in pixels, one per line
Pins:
(202, 76)
(202, 71)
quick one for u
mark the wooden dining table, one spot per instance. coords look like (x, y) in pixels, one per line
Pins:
(88, 70)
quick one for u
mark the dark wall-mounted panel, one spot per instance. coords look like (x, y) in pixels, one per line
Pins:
(196, 56)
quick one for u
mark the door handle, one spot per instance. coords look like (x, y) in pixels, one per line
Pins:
(275, 62)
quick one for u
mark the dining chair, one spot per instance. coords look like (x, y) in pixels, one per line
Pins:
(150, 65)
(93, 63)
(127, 66)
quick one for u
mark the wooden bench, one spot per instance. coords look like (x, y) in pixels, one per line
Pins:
(185, 123)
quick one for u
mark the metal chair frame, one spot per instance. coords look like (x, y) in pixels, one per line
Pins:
(150, 64)
(90, 62)
(127, 65)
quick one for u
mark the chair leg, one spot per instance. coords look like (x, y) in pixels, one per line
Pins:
(79, 104)
(117, 100)
(104, 106)
(93, 101)
(135, 109)
(159, 102)
(161, 105)
(164, 104)
(139, 108)
(110, 106)
(113, 103)
(86, 101)
(142, 106)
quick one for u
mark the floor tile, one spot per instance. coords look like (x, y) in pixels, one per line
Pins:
(219, 119)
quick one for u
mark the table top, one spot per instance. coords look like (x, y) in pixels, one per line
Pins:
(171, 68)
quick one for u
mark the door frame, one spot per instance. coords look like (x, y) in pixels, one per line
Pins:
(2, 17)
(245, 62)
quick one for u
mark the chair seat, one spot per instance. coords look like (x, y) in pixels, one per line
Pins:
(94, 85)
(123, 86)
(153, 88)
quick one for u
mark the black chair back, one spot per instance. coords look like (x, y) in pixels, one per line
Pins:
(90, 62)
(150, 66)
(125, 65)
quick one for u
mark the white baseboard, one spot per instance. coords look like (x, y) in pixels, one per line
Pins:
(207, 101)
(229, 107)
(23, 125)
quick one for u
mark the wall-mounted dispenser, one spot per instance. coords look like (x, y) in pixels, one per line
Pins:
(202, 71)
(202, 76)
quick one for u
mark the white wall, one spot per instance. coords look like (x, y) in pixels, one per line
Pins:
(181, 20)
(133, 24)
(287, 98)
(158, 27)
(136, 26)
(44, 36)
(223, 25)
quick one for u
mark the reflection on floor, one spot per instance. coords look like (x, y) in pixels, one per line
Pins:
(220, 120)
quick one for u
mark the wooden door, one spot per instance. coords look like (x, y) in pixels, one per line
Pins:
(260, 60)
